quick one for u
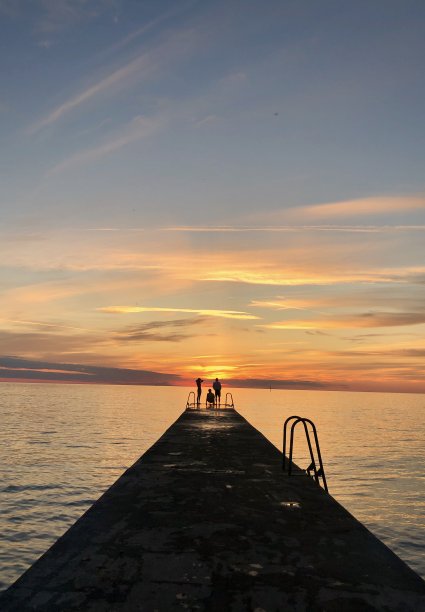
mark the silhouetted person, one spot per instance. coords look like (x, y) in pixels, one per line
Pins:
(210, 399)
(199, 382)
(217, 389)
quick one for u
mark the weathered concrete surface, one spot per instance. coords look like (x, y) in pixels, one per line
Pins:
(206, 520)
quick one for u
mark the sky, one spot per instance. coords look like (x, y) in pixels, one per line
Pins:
(214, 188)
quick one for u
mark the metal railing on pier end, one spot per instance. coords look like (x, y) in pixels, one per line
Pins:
(228, 402)
(191, 404)
(317, 473)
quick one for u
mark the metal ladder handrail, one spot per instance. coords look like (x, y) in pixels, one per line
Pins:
(284, 439)
(226, 405)
(318, 473)
(188, 403)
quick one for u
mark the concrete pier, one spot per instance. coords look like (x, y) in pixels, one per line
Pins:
(206, 520)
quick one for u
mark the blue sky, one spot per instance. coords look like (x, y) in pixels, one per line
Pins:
(213, 155)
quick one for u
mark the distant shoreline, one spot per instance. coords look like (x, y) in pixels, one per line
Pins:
(187, 385)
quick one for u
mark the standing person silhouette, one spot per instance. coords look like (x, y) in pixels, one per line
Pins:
(217, 389)
(199, 382)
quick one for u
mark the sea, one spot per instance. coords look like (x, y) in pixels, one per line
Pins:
(62, 445)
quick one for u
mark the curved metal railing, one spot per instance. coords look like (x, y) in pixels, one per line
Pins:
(318, 473)
(190, 404)
(230, 403)
(284, 439)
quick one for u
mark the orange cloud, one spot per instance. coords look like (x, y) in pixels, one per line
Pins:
(368, 319)
(226, 314)
(284, 277)
(364, 206)
(294, 218)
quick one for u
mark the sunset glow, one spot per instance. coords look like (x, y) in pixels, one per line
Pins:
(213, 190)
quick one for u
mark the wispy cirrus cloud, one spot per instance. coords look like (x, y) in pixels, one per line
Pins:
(288, 278)
(60, 342)
(226, 314)
(146, 336)
(153, 330)
(365, 338)
(38, 343)
(282, 303)
(150, 25)
(356, 229)
(134, 72)
(45, 325)
(344, 216)
(139, 67)
(410, 353)
(76, 254)
(367, 319)
(378, 297)
(363, 207)
(137, 129)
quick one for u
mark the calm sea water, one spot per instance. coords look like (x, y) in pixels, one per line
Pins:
(63, 445)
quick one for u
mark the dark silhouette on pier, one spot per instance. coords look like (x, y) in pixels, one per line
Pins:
(217, 389)
(199, 382)
(210, 401)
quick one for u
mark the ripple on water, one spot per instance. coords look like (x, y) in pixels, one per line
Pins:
(29, 487)
(68, 443)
